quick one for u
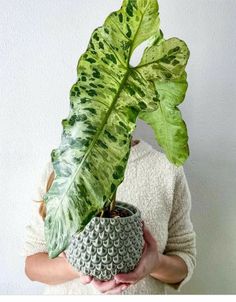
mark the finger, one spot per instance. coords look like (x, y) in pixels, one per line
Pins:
(104, 286)
(135, 275)
(148, 237)
(145, 246)
(117, 290)
(131, 277)
(142, 223)
(84, 279)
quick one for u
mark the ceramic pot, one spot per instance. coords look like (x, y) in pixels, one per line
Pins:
(108, 246)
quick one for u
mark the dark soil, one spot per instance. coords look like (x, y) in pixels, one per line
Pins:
(118, 212)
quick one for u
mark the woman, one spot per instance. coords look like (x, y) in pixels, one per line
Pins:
(160, 190)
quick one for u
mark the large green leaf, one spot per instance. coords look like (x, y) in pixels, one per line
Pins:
(169, 57)
(105, 102)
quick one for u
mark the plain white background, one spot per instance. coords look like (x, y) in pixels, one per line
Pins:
(41, 42)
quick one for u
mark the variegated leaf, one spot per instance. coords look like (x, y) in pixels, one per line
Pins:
(105, 101)
(168, 60)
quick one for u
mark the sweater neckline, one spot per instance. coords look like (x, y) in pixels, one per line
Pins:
(139, 150)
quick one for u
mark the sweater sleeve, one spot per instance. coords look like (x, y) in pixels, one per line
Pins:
(34, 241)
(181, 236)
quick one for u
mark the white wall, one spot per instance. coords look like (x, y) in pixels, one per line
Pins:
(41, 42)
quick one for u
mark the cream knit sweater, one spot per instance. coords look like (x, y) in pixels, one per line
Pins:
(160, 190)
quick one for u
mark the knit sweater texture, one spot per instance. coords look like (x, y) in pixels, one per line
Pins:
(160, 190)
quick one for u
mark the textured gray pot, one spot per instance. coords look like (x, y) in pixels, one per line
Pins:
(108, 246)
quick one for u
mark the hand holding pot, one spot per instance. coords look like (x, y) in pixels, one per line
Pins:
(149, 261)
(106, 287)
(109, 287)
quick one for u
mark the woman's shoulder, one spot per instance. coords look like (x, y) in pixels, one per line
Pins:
(156, 159)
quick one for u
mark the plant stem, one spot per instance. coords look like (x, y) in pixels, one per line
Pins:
(113, 202)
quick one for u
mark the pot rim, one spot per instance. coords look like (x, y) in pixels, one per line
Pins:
(106, 220)
(128, 206)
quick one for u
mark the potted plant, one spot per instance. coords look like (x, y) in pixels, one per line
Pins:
(100, 235)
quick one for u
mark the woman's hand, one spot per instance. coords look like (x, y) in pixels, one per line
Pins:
(149, 261)
(147, 264)
(109, 287)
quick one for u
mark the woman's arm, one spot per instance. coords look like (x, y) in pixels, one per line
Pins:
(181, 236)
(39, 267)
(170, 269)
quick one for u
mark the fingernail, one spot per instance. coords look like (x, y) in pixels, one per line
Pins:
(124, 287)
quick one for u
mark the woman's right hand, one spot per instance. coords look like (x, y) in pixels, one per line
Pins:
(84, 279)
(111, 287)
(104, 287)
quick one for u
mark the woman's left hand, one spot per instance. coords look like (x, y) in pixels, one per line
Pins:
(149, 261)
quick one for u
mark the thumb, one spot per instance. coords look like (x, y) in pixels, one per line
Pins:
(85, 279)
(148, 237)
(131, 277)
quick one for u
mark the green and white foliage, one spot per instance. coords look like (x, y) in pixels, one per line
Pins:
(168, 59)
(105, 102)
